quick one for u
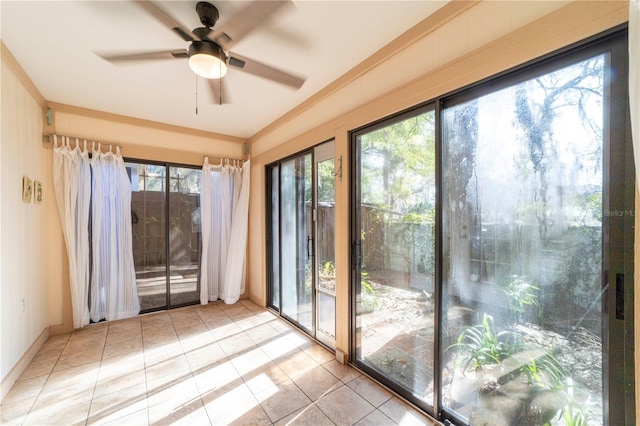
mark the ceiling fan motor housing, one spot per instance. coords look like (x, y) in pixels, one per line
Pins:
(208, 13)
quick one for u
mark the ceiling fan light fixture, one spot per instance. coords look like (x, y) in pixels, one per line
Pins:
(207, 59)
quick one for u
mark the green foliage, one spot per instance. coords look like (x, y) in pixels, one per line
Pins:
(522, 295)
(573, 413)
(589, 205)
(328, 270)
(419, 213)
(481, 345)
(573, 416)
(308, 282)
(326, 181)
(369, 298)
(544, 372)
(398, 163)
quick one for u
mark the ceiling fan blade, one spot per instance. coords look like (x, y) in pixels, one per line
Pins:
(145, 56)
(265, 71)
(219, 91)
(166, 19)
(248, 19)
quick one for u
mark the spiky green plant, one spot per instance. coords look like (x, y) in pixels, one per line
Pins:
(481, 345)
(369, 298)
(522, 295)
(544, 372)
(574, 413)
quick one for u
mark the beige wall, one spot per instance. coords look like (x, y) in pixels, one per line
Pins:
(142, 138)
(24, 227)
(473, 42)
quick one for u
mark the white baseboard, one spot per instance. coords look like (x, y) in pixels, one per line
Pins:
(22, 364)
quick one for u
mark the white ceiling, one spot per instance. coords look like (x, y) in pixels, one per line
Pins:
(55, 41)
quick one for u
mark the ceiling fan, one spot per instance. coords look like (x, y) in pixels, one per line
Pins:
(208, 52)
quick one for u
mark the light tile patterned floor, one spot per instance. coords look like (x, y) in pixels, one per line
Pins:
(216, 364)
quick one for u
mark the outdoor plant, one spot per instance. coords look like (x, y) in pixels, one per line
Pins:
(328, 271)
(369, 298)
(522, 295)
(544, 372)
(573, 416)
(480, 345)
(573, 413)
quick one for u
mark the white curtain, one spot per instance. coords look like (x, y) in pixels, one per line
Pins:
(114, 294)
(634, 79)
(224, 229)
(72, 177)
(234, 280)
(98, 187)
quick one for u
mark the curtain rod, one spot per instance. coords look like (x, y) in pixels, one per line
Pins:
(47, 142)
(48, 138)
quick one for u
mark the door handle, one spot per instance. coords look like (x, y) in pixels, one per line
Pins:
(309, 253)
(620, 296)
(356, 254)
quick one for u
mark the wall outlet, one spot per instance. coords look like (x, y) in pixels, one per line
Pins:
(23, 305)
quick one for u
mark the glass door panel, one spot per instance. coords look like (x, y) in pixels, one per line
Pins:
(148, 217)
(296, 238)
(301, 241)
(523, 254)
(274, 236)
(325, 244)
(165, 225)
(394, 243)
(184, 235)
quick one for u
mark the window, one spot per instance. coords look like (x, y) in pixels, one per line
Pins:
(492, 246)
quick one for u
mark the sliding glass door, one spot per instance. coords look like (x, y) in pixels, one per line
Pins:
(493, 247)
(184, 235)
(531, 174)
(394, 252)
(296, 237)
(165, 219)
(325, 243)
(301, 241)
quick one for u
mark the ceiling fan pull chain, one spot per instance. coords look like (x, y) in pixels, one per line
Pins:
(196, 94)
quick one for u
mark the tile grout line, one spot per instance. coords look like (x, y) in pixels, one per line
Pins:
(47, 380)
(95, 384)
